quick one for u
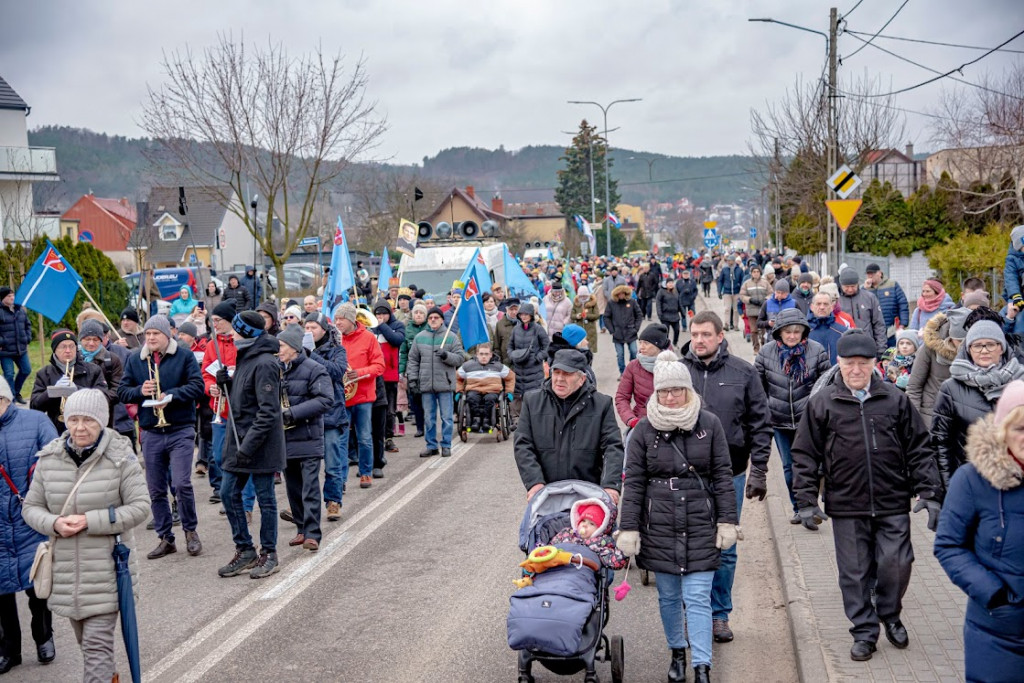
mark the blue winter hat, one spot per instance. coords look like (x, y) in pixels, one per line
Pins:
(573, 334)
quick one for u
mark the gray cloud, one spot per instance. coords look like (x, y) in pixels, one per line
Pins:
(453, 72)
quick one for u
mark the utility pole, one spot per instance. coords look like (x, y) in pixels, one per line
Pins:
(833, 135)
(775, 201)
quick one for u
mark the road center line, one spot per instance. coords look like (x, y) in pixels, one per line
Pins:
(307, 571)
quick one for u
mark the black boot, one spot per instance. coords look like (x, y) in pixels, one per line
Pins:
(702, 674)
(677, 669)
(475, 425)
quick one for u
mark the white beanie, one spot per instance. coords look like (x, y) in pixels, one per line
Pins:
(5, 390)
(669, 373)
(89, 403)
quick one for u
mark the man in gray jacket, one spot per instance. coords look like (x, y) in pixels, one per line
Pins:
(863, 307)
(431, 373)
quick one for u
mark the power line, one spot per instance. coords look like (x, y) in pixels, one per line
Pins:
(898, 10)
(934, 42)
(958, 69)
(852, 9)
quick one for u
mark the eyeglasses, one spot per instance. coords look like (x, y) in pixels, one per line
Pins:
(290, 317)
(675, 392)
(985, 347)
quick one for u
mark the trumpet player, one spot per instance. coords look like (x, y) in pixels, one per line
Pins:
(164, 368)
(306, 395)
(365, 364)
(220, 320)
(66, 371)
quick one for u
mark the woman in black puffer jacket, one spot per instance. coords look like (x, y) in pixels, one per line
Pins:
(528, 350)
(678, 509)
(789, 366)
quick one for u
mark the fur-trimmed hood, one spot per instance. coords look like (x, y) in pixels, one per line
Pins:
(609, 514)
(622, 292)
(989, 455)
(936, 337)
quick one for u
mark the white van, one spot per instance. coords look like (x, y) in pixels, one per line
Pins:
(434, 269)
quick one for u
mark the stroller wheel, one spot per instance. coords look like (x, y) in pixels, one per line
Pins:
(618, 656)
(645, 577)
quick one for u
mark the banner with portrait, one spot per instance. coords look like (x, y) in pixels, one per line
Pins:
(408, 235)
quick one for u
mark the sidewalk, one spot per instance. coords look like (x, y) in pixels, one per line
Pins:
(933, 608)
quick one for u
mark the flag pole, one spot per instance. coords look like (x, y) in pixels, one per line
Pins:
(455, 314)
(97, 307)
(42, 341)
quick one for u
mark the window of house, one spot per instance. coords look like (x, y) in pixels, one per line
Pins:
(169, 232)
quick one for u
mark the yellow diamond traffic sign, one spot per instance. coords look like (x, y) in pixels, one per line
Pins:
(844, 181)
(843, 210)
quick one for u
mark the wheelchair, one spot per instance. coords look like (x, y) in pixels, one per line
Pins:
(501, 418)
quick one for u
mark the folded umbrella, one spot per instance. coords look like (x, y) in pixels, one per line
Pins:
(126, 603)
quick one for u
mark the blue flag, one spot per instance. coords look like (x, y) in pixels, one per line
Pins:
(385, 274)
(50, 285)
(342, 280)
(472, 322)
(516, 281)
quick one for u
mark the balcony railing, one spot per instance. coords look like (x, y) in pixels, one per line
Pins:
(38, 161)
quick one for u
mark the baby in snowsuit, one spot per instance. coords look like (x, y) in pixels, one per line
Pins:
(591, 526)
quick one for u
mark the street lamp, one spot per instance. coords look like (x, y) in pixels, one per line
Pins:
(604, 110)
(650, 167)
(768, 20)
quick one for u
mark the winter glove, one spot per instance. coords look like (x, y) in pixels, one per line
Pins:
(811, 517)
(442, 355)
(510, 396)
(902, 381)
(223, 378)
(414, 387)
(286, 416)
(307, 342)
(726, 537)
(458, 397)
(757, 486)
(628, 542)
(1018, 301)
(933, 509)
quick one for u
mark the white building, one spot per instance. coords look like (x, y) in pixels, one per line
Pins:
(20, 167)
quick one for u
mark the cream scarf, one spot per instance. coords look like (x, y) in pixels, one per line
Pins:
(667, 419)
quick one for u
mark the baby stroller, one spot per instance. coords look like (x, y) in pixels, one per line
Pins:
(501, 418)
(559, 621)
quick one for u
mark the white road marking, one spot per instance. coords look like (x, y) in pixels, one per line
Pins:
(298, 579)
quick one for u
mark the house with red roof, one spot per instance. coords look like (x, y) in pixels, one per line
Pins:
(105, 223)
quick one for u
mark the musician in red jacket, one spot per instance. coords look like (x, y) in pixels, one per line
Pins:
(365, 363)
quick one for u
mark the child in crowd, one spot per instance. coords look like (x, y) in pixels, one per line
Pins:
(590, 526)
(897, 361)
(483, 379)
(1013, 272)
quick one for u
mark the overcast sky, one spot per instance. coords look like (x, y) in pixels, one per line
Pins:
(452, 72)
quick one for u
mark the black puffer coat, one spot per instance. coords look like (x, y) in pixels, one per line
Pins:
(957, 407)
(687, 289)
(331, 355)
(669, 308)
(15, 332)
(310, 395)
(623, 316)
(675, 510)
(255, 400)
(786, 397)
(528, 350)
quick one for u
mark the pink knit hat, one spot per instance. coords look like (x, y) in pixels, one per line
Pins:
(1013, 397)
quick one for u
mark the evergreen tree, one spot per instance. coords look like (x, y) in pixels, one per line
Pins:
(573, 192)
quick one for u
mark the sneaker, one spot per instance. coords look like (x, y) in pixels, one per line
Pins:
(201, 469)
(390, 447)
(287, 516)
(192, 543)
(378, 473)
(277, 479)
(311, 545)
(446, 452)
(365, 482)
(265, 566)
(333, 511)
(164, 548)
(214, 499)
(487, 426)
(795, 519)
(427, 452)
(419, 434)
(19, 400)
(721, 631)
(242, 561)
(175, 517)
(474, 425)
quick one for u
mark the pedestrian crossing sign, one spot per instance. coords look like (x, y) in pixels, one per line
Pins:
(844, 181)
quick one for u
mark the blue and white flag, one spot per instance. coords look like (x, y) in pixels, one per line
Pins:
(516, 281)
(50, 285)
(342, 280)
(613, 219)
(385, 275)
(473, 328)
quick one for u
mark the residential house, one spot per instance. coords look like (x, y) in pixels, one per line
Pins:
(632, 219)
(892, 166)
(463, 205)
(970, 165)
(541, 222)
(105, 223)
(215, 237)
(22, 166)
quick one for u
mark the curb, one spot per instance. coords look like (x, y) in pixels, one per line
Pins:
(803, 624)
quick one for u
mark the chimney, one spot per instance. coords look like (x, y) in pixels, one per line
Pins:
(124, 202)
(470, 191)
(910, 150)
(497, 204)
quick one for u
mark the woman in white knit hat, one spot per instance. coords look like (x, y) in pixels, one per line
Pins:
(97, 468)
(678, 510)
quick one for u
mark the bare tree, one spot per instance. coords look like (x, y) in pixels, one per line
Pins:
(380, 196)
(233, 115)
(983, 131)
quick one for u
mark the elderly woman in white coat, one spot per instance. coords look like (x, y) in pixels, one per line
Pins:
(84, 578)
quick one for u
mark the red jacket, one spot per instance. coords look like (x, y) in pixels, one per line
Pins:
(366, 358)
(636, 384)
(227, 354)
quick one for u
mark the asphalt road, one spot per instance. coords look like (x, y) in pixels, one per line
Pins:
(411, 585)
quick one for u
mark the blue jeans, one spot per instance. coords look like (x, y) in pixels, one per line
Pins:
(335, 463)
(231, 493)
(431, 404)
(217, 433)
(721, 589)
(620, 351)
(784, 442)
(24, 368)
(690, 592)
(359, 419)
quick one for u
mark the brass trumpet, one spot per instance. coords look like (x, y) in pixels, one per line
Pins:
(69, 376)
(218, 407)
(154, 374)
(285, 403)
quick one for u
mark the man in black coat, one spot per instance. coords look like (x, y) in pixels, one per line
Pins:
(731, 389)
(328, 352)
(874, 449)
(686, 286)
(567, 430)
(238, 294)
(254, 394)
(66, 367)
(15, 336)
(623, 317)
(307, 393)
